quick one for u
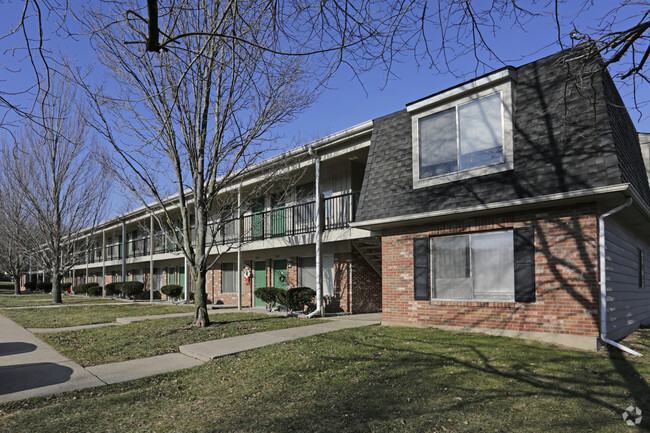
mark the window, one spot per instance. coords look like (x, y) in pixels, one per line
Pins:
(457, 135)
(228, 278)
(469, 135)
(476, 266)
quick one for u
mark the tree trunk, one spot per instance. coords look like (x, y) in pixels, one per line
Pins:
(201, 319)
(16, 286)
(56, 291)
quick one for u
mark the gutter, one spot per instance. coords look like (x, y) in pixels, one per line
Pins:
(603, 279)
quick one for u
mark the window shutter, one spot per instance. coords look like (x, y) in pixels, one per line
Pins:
(524, 246)
(421, 268)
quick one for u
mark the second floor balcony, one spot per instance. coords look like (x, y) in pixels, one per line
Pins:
(337, 212)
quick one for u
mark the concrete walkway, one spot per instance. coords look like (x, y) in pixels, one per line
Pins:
(30, 368)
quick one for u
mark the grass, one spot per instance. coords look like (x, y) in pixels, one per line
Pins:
(373, 379)
(44, 299)
(156, 337)
(86, 314)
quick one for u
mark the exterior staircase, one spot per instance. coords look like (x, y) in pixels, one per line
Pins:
(370, 250)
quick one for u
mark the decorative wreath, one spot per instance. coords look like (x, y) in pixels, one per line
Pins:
(282, 278)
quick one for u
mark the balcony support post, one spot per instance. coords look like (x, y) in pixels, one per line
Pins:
(151, 249)
(319, 231)
(240, 239)
(123, 248)
(103, 263)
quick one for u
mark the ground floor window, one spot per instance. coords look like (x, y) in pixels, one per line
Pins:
(228, 278)
(473, 266)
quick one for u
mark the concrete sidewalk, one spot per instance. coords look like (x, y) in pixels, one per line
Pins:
(29, 367)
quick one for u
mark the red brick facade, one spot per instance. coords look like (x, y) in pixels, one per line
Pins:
(566, 276)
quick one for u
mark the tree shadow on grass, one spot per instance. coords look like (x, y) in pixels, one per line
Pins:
(545, 389)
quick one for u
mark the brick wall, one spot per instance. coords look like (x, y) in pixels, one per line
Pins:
(566, 271)
(357, 287)
(214, 290)
(366, 286)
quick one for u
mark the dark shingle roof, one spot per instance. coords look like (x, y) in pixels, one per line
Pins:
(563, 141)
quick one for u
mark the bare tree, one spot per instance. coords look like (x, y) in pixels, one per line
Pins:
(196, 117)
(15, 228)
(52, 167)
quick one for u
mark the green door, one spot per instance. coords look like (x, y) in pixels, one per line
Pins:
(181, 278)
(280, 274)
(278, 219)
(260, 280)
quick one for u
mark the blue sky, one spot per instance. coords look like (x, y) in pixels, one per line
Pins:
(346, 102)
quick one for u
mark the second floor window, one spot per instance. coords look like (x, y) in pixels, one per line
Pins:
(466, 136)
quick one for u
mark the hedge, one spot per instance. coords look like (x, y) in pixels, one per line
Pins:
(296, 299)
(172, 290)
(44, 286)
(268, 295)
(131, 289)
(65, 286)
(83, 288)
(95, 290)
(30, 285)
(112, 289)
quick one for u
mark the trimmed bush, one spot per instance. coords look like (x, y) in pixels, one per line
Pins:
(45, 287)
(66, 286)
(30, 285)
(95, 290)
(131, 289)
(83, 288)
(112, 289)
(268, 295)
(296, 299)
(172, 290)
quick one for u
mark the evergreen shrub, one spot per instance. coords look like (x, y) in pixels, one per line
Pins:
(296, 299)
(268, 295)
(131, 289)
(172, 290)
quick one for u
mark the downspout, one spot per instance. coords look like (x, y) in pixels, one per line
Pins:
(319, 280)
(603, 280)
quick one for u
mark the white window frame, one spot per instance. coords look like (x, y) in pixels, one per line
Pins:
(432, 270)
(497, 83)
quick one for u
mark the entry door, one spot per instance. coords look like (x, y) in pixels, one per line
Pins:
(260, 280)
(280, 274)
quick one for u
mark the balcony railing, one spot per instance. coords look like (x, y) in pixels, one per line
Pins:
(338, 212)
(137, 247)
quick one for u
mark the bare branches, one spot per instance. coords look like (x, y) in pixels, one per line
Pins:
(53, 169)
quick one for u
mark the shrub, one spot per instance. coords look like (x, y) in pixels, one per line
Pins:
(83, 288)
(30, 285)
(45, 287)
(172, 290)
(66, 286)
(296, 299)
(268, 295)
(95, 290)
(112, 289)
(131, 289)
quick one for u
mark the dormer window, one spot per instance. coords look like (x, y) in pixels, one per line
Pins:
(464, 132)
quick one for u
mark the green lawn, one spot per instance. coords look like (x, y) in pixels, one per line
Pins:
(373, 379)
(156, 337)
(43, 299)
(87, 314)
